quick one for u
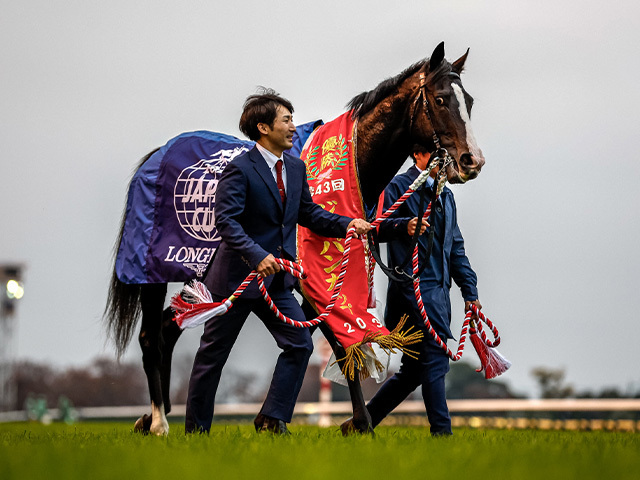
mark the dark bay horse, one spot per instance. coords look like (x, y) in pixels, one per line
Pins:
(426, 104)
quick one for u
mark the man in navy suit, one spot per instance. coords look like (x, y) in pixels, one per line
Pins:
(448, 260)
(261, 196)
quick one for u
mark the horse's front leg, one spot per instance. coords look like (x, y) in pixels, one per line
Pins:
(150, 338)
(361, 420)
(170, 334)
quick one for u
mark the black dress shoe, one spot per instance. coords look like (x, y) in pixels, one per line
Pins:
(444, 433)
(264, 423)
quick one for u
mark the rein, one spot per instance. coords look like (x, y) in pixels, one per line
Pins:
(398, 274)
(440, 157)
(194, 305)
(474, 324)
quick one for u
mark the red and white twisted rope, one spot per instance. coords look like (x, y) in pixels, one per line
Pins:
(197, 306)
(476, 325)
(410, 191)
(337, 288)
(345, 260)
(190, 315)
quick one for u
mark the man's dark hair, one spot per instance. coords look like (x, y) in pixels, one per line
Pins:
(417, 148)
(261, 108)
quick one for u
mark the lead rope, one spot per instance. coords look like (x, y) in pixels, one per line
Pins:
(492, 363)
(476, 325)
(193, 305)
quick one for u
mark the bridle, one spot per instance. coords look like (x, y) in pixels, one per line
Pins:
(441, 154)
(441, 158)
(422, 95)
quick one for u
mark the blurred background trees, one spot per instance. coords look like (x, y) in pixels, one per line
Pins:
(105, 382)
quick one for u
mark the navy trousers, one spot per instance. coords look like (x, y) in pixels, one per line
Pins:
(428, 371)
(220, 333)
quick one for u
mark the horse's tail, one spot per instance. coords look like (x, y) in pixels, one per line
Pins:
(123, 301)
(122, 312)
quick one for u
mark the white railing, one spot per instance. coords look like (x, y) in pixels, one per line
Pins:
(488, 406)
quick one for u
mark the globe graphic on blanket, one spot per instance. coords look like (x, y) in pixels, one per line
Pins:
(194, 194)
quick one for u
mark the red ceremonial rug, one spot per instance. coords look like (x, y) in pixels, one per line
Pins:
(331, 172)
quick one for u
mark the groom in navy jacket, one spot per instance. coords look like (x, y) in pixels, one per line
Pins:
(261, 197)
(447, 261)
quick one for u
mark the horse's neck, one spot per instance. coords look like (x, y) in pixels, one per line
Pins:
(383, 145)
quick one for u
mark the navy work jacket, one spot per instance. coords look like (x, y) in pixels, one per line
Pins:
(252, 221)
(447, 261)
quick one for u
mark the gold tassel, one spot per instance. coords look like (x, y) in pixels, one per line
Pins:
(395, 340)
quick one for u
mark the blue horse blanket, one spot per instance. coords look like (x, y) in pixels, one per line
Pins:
(169, 230)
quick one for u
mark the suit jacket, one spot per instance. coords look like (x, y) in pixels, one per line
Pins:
(448, 259)
(252, 222)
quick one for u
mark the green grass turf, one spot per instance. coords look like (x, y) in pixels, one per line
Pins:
(111, 451)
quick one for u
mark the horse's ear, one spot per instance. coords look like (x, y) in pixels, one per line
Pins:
(436, 57)
(458, 65)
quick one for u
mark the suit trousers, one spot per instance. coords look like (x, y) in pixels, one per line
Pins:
(428, 371)
(220, 333)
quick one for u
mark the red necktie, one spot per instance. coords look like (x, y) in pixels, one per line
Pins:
(283, 194)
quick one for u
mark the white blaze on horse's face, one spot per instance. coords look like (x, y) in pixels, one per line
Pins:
(474, 150)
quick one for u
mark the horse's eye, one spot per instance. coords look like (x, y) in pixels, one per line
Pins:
(439, 101)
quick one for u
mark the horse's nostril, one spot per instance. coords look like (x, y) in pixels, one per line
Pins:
(466, 160)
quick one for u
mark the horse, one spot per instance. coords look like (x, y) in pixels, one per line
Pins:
(426, 104)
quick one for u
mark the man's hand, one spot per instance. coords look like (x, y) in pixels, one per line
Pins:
(268, 266)
(360, 225)
(467, 307)
(413, 223)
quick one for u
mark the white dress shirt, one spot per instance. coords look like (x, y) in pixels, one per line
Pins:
(271, 160)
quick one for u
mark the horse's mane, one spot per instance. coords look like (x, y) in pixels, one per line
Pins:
(366, 101)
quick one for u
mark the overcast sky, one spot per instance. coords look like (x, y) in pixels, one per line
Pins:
(551, 224)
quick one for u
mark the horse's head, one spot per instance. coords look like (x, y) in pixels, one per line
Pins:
(440, 113)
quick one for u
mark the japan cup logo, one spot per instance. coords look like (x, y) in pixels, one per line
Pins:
(194, 195)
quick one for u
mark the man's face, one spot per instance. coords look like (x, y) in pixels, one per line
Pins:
(279, 136)
(422, 162)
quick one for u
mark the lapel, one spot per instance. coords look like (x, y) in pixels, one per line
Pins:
(293, 180)
(260, 166)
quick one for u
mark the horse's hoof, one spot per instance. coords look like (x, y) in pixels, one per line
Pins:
(258, 422)
(143, 424)
(161, 428)
(349, 428)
